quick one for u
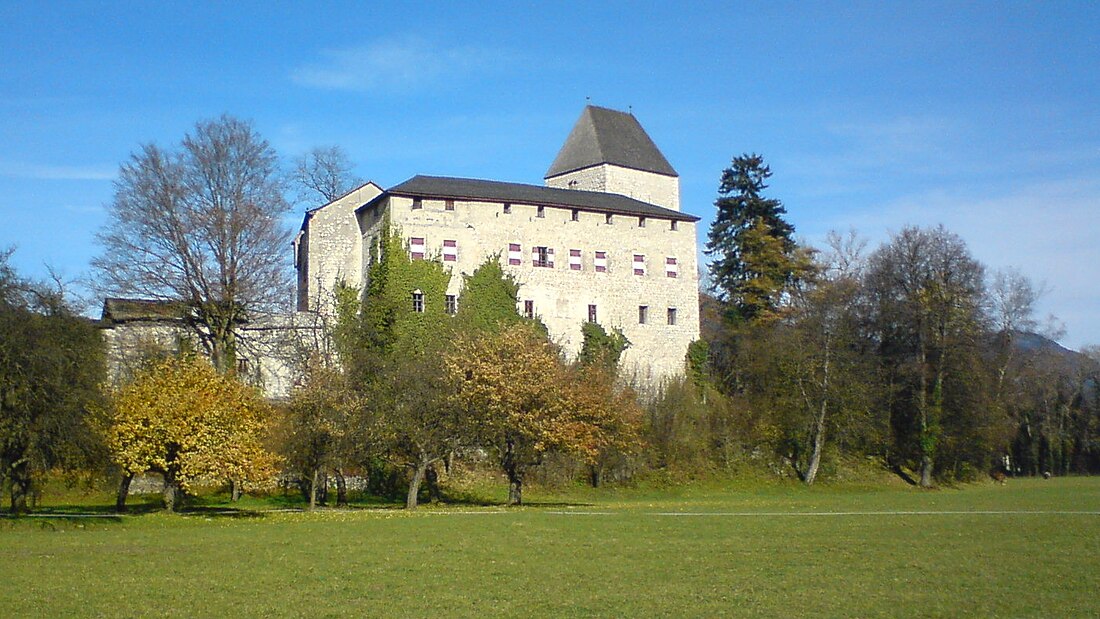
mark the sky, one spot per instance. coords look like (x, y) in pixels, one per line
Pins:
(983, 117)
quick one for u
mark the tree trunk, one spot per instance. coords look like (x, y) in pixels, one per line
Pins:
(341, 488)
(595, 472)
(20, 487)
(515, 488)
(234, 491)
(313, 490)
(432, 477)
(515, 474)
(819, 422)
(922, 405)
(123, 492)
(171, 493)
(414, 483)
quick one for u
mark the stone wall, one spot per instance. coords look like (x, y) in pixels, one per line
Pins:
(561, 295)
(645, 186)
(331, 248)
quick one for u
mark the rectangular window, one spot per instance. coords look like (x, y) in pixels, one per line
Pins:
(672, 225)
(416, 248)
(643, 314)
(607, 219)
(452, 305)
(417, 203)
(591, 313)
(601, 262)
(639, 264)
(450, 251)
(529, 309)
(671, 268)
(576, 215)
(574, 259)
(672, 315)
(418, 302)
(449, 205)
(641, 222)
(542, 257)
(515, 256)
(541, 211)
(507, 208)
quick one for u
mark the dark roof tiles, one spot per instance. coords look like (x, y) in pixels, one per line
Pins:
(609, 136)
(496, 191)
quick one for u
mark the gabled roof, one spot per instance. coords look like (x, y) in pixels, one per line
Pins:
(495, 191)
(609, 136)
(311, 212)
(124, 310)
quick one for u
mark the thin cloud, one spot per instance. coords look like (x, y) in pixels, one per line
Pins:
(396, 64)
(57, 172)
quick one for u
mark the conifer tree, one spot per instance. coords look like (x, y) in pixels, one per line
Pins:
(753, 249)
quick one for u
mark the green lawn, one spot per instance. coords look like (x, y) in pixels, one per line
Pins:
(770, 550)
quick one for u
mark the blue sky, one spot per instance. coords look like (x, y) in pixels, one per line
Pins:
(982, 116)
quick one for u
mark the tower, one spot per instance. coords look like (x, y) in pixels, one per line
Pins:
(609, 151)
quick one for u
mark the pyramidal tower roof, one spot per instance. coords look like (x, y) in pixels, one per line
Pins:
(609, 136)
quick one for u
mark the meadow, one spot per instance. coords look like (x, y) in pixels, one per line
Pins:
(1028, 548)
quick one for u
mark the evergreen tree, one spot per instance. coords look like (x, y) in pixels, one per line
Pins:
(752, 246)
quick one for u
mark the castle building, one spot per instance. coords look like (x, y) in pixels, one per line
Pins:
(604, 240)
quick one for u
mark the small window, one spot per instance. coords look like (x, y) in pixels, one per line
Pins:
(452, 305)
(515, 257)
(643, 314)
(607, 219)
(449, 205)
(672, 315)
(416, 248)
(600, 262)
(641, 222)
(417, 203)
(574, 260)
(671, 268)
(450, 251)
(591, 313)
(507, 208)
(576, 215)
(418, 302)
(672, 225)
(541, 257)
(541, 211)
(529, 309)
(639, 264)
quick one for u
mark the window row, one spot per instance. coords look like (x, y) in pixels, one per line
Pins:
(542, 256)
(417, 249)
(451, 307)
(540, 211)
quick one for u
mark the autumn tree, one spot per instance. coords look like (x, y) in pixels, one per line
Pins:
(520, 395)
(926, 294)
(323, 174)
(51, 366)
(181, 419)
(201, 224)
(317, 427)
(754, 255)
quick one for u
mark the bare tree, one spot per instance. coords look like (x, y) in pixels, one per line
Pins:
(323, 173)
(926, 289)
(201, 225)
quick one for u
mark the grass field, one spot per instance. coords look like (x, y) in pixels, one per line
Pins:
(1031, 548)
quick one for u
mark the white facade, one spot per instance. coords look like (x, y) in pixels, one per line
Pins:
(664, 281)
